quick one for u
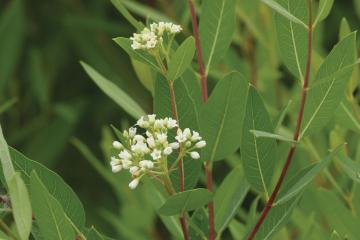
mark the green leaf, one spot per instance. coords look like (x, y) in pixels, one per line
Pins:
(259, 154)
(144, 73)
(344, 29)
(7, 105)
(185, 201)
(345, 116)
(301, 180)
(285, 12)
(114, 92)
(217, 25)
(263, 134)
(187, 96)
(21, 207)
(324, 10)
(139, 54)
(228, 197)
(331, 80)
(292, 38)
(49, 214)
(93, 234)
(351, 168)
(222, 116)
(181, 59)
(277, 217)
(279, 120)
(7, 166)
(54, 184)
(11, 41)
(127, 15)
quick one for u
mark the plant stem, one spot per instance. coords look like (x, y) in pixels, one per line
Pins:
(204, 94)
(304, 90)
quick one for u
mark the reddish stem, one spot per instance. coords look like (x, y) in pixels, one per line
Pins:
(180, 164)
(304, 90)
(204, 94)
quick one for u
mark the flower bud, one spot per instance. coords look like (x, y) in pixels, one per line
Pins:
(195, 155)
(134, 183)
(117, 145)
(200, 144)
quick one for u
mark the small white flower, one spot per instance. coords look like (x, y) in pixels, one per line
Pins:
(174, 145)
(140, 147)
(142, 123)
(159, 124)
(132, 132)
(114, 161)
(175, 28)
(200, 144)
(117, 145)
(195, 136)
(151, 118)
(139, 138)
(156, 154)
(162, 138)
(171, 123)
(125, 155)
(133, 169)
(151, 142)
(146, 164)
(168, 151)
(195, 155)
(180, 137)
(126, 163)
(134, 183)
(116, 168)
(187, 133)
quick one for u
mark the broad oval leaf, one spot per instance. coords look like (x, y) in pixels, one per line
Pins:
(228, 197)
(331, 80)
(259, 155)
(181, 59)
(185, 201)
(187, 98)
(21, 207)
(54, 184)
(222, 116)
(301, 180)
(292, 37)
(217, 25)
(115, 93)
(50, 216)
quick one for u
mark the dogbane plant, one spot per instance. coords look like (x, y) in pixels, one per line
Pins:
(255, 138)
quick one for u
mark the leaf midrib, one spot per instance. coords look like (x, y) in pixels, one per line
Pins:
(216, 37)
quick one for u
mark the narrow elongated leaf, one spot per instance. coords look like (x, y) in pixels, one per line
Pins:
(187, 98)
(7, 105)
(324, 10)
(217, 25)
(263, 134)
(54, 184)
(139, 54)
(21, 207)
(283, 11)
(6, 164)
(277, 217)
(331, 80)
(181, 59)
(114, 92)
(346, 117)
(185, 201)
(127, 15)
(222, 116)
(49, 214)
(279, 120)
(292, 37)
(259, 155)
(228, 198)
(304, 178)
(351, 168)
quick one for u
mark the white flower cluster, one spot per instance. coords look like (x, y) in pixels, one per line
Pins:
(147, 153)
(149, 38)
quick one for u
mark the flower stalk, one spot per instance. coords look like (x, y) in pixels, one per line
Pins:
(291, 152)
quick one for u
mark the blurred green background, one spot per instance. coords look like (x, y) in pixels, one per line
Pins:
(46, 98)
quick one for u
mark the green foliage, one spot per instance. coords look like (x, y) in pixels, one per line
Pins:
(185, 201)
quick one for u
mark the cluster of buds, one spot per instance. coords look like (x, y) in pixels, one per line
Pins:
(149, 38)
(144, 149)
